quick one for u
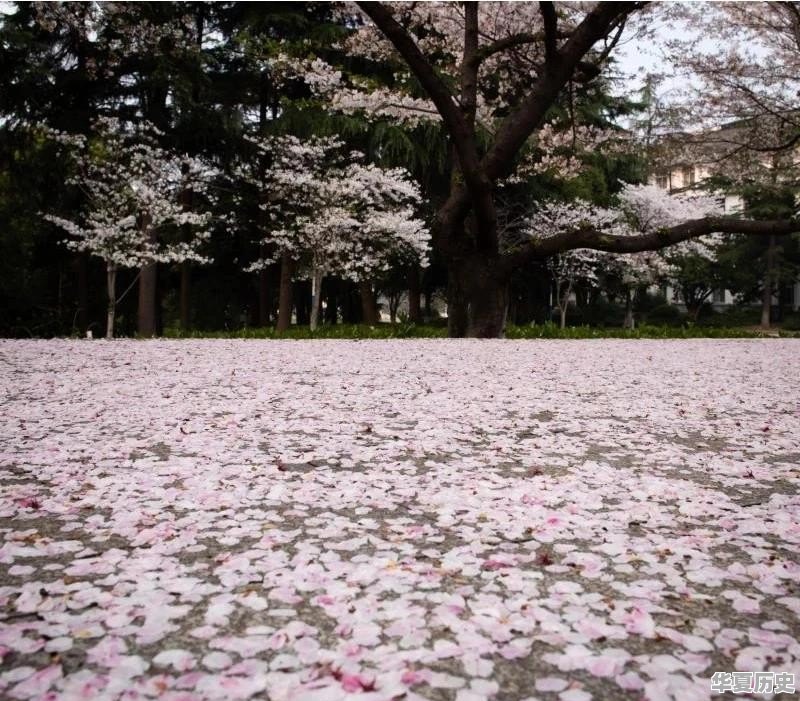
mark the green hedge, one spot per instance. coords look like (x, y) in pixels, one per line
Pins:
(353, 331)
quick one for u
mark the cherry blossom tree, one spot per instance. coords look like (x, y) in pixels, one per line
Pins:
(134, 216)
(743, 93)
(491, 73)
(328, 212)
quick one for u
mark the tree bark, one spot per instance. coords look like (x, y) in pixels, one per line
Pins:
(316, 298)
(285, 294)
(488, 307)
(414, 309)
(766, 294)
(111, 288)
(368, 307)
(148, 281)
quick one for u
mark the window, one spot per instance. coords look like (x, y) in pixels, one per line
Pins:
(719, 296)
(662, 181)
(688, 176)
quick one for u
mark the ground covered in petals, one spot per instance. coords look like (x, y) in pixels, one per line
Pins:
(324, 520)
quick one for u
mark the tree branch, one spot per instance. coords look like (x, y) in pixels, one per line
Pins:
(550, 21)
(460, 131)
(589, 237)
(509, 42)
(521, 123)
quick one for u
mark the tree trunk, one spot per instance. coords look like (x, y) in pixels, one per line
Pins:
(766, 294)
(316, 298)
(111, 288)
(264, 301)
(369, 309)
(629, 321)
(563, 302)
(82, 274)
(148, 281)
(302, 302)
(285, 294)
(146, 319)
(186, 286)
(457, 302)
(488, 307)
(414, 310)
(332, 305)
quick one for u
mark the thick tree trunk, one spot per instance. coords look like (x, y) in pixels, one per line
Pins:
(414, 310)
(111, 288)
(477, 300)
(369, 309)
(457, 301)
(766, 294)
(488, 308)
(316, 298)
(186, 286)
(146, 319)
(285, 294)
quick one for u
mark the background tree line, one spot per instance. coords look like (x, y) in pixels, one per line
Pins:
(215, 78)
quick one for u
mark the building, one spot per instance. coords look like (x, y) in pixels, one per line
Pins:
(681, 176)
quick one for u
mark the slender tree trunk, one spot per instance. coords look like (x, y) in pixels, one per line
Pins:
(368, 306)
(285, 294)
(302, 302)
(332, 306)
(414, 310)
(629, 321)
(766, 294)
(186, 286)
(148, 281)
(82, 275)
(186, 200)
(111, 288)
(264, 301)
(316, 297)
(563, 302)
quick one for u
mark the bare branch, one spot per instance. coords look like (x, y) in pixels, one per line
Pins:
(589, 237)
